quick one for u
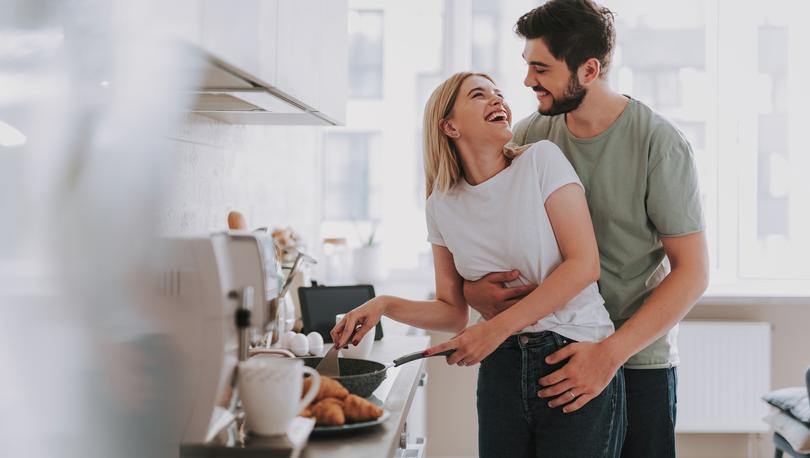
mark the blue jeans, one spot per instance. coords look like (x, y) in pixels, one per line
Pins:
(651, 409)
(514, 422)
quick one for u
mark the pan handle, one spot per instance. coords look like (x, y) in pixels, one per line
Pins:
(419, 355)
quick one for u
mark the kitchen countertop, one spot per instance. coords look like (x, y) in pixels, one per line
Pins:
(383, 440)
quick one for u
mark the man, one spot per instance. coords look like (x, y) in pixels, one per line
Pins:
(641, 183)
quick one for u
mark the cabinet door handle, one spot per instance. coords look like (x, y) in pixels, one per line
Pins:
(416, 449)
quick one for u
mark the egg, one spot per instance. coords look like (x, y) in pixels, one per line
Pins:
(286, 338)
(299, 345)
(315, 343)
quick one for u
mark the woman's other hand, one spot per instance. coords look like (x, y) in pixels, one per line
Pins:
(366, 317)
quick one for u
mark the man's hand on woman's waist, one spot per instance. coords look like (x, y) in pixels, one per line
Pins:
(490, 296)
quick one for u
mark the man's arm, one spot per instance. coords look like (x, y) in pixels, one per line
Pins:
(592, 365)
(671, 300)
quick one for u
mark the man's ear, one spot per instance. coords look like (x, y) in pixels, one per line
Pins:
(589, 71)
(449, 128)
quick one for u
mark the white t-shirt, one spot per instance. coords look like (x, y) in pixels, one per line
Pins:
(502, 224)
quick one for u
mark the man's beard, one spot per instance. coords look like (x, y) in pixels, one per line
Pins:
(570, 101)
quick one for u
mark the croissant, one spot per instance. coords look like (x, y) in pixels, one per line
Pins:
(328, 413)
(330, 388)
(306, 413)
(357, 409)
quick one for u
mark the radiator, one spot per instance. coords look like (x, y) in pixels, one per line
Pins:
(725, 368)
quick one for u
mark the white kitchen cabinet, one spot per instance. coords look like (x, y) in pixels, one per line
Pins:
(243, 34)
(295, 49)
(333, 70)
(182, 19)
(312, 53)
(413, 443)
(268, 41)
(300, 49)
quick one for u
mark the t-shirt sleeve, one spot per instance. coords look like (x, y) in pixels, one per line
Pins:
(673, 193)
(434, 235)
(553, 168)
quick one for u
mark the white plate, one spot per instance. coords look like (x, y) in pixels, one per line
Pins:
(353, 426)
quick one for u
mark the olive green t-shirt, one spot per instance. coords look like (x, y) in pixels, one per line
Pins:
(641, 184)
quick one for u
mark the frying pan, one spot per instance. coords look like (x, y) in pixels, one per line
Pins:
(363, 376)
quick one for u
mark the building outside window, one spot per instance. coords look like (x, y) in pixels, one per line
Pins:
(743, 125)
(407, 57)
(365, 53)
(346, 180)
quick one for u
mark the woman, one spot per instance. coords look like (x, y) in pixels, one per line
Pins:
(494, 208)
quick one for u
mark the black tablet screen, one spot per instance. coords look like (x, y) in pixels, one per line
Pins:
(320, 304)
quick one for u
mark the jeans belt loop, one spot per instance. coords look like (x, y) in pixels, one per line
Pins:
(558, 339)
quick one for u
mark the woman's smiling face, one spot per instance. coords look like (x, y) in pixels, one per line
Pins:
(480, 112)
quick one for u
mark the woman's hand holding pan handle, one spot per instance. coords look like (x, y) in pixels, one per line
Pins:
(473, 344)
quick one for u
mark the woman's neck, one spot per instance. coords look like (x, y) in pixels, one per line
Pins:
(481, 161)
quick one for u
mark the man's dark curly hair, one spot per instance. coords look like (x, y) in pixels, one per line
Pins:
(573, 30)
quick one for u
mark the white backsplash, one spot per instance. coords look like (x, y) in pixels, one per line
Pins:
(269, 173)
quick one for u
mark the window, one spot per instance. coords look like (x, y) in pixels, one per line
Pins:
(365, 53)
(745, 126)
(429, 74)
(390, 121)
(486, 37)
(346, 181)
(774, 220)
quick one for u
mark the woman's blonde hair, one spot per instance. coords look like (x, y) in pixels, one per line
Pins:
(442, 162)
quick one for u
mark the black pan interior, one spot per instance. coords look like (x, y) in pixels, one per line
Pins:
(349, 366)
(359, 376)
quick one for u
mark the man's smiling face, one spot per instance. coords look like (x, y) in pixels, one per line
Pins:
(557, 88)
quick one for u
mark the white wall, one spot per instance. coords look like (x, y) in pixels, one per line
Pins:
(269, 173)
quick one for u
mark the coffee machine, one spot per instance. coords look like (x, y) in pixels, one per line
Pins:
(221, 295)
(249, 267)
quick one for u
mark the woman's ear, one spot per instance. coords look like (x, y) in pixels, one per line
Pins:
(449, 129)
(589, 71)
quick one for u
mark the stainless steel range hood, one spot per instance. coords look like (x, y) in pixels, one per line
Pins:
(229, 94)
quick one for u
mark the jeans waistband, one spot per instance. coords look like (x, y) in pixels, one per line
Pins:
(534, 339)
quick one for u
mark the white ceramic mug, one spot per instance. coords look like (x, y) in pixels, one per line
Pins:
(260, 353)
(270, 390)
(363, 349)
